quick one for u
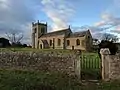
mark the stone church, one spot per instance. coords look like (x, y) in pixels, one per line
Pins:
(60, 39)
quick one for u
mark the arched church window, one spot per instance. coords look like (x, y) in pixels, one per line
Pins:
(59, 42)
(68, 42)
(77, 42)
(50, 42)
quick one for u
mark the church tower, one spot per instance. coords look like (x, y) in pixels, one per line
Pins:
(38, 29)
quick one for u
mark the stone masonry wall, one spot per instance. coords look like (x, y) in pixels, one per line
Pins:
(110, 65)
(49, 62)
(114, 67)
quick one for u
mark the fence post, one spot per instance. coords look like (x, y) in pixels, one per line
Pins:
(105, 63)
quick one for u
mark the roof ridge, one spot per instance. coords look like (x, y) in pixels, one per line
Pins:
(82, 31)
(58, 30)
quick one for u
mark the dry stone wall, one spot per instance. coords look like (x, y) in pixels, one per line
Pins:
(48, 62)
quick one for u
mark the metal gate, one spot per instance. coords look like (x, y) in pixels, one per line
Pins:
(90, 67)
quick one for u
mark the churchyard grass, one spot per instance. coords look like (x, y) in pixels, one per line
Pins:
(26, 80)
(35, 50)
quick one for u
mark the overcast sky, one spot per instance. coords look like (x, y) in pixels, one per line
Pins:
(97, 15)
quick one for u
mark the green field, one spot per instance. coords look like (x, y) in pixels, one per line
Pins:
(24, 80)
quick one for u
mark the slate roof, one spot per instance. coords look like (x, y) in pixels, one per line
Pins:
(64, 31)
(55, 33)
(79, 34)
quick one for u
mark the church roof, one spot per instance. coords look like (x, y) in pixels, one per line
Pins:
(79, 34)
(58, 32)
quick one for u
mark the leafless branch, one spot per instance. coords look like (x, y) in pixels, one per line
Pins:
(110, 37)
(14, 37)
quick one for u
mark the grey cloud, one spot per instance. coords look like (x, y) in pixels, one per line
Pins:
(107, 23)
(93, 29)
(108, 20)
(96, 31)
(15, 15)
(98, 35)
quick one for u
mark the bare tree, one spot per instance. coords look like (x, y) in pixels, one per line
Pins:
(14, 37)
(96, 41)
(110, 37)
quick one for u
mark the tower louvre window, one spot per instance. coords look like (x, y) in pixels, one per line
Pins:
(42, 30)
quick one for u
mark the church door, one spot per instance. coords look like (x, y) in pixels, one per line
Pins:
(40, 46)
(72, 47)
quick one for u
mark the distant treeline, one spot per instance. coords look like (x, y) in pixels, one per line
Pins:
(5, 43)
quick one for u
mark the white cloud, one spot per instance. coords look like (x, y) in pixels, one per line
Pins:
(108, 19)
(59, 11)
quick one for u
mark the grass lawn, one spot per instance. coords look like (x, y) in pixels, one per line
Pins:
(24, 80)
(36, 50)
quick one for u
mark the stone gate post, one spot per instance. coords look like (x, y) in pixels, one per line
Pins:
(105, 63)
